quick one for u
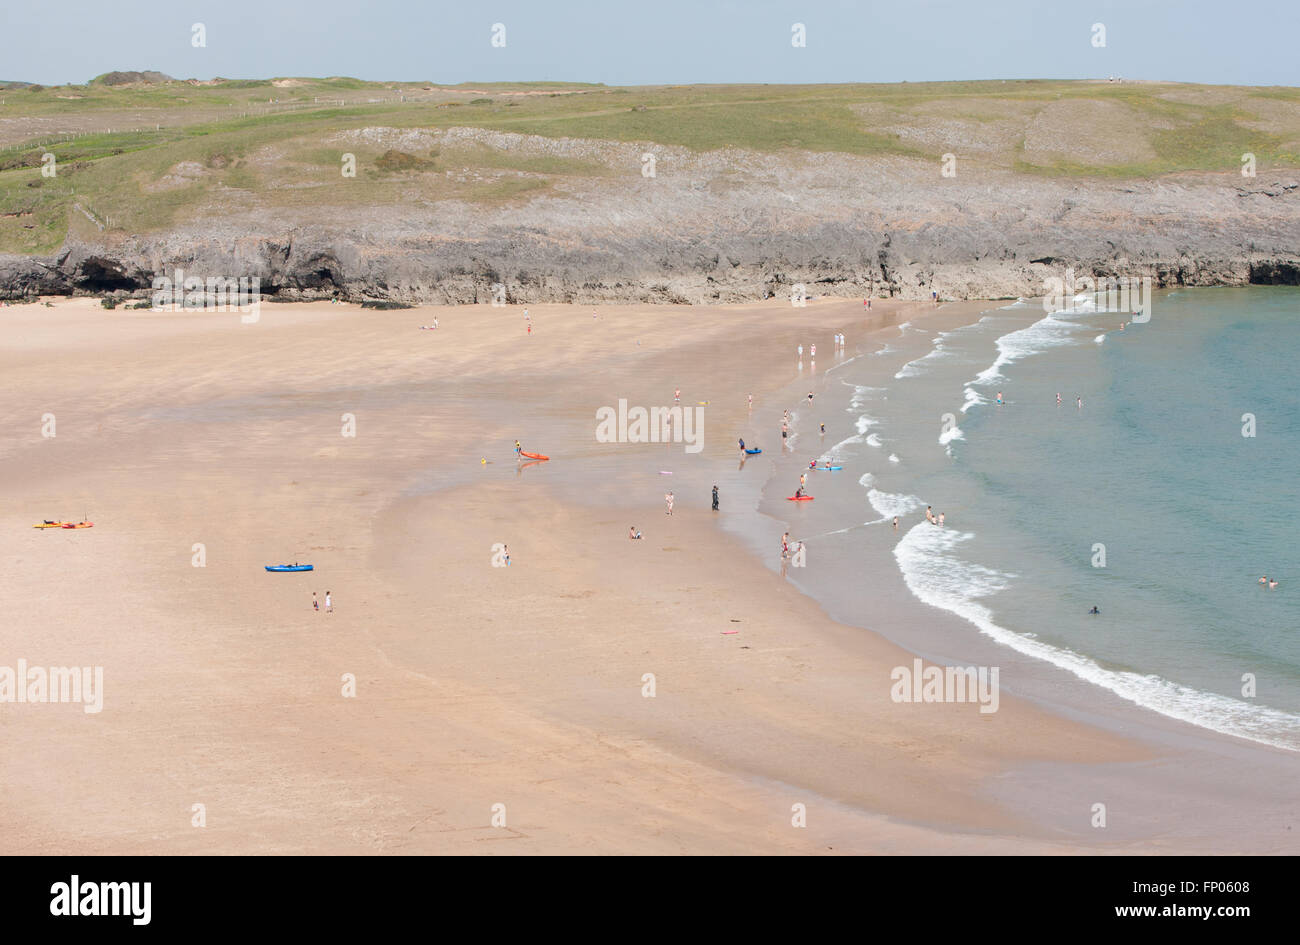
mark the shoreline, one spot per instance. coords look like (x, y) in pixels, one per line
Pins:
(575, 706)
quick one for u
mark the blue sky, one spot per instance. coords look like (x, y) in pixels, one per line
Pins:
(623, 42)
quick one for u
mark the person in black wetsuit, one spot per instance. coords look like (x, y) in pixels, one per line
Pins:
(715, 498)
(1094, 610)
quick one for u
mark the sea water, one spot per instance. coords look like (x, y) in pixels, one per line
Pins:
(1161, 500)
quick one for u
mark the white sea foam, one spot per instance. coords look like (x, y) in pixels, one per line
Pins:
(973, 399)
(866, 480)
(889, 504)
(1047, 332)
(874, 440)
(938, 576)
(947, 436)
(893, 457)
(1100, 339)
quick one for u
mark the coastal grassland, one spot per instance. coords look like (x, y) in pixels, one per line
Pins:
(178, 151)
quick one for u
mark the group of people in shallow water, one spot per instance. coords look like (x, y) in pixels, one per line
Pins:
(930, 517)
(1271, 584)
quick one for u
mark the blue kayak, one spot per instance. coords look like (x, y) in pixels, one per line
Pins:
(825, 468)
(289, 567)
(752, 452)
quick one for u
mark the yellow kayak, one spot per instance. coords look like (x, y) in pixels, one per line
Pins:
(49, 525)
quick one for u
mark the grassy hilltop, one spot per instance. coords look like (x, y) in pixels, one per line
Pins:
(137, 153)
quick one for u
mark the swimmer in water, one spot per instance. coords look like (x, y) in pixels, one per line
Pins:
(1272, 584)
(999, 398)
(929, 514)
(1078, 401)
(1094, 610)
(1264, 579)
(1058, 399)
(941, 520)
(895, 523)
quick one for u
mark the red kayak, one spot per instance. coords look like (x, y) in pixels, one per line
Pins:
(533, 455)
(800, 498)
(79, 525)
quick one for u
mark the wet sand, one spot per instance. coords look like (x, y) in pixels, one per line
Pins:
(475, 685)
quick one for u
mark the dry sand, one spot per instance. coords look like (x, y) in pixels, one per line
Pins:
(474, 685)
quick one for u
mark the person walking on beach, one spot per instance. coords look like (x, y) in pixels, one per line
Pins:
(505, 554)
(530, 329)
(801, 352)
(677, 395)
(810, 398)
(329, 603)
(895, 523)
(315, 603)
(785, 544)
(785, 430)
(823, 429)
(812, 352)
(715, 498)
(868, 305)
(668, 499)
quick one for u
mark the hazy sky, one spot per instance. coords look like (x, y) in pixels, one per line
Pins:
(625, 42)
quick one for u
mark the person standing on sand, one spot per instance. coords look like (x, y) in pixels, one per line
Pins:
(677, 395)
(868, 305)
(823, 429)
(751, 401)
(715, 498)
(530, 329)
(315, 602)
(329, 603)
(812, 353)
(801, 352)
(785, 544)
(810, 398)
(668, 500)
(785, 430)
(742, 445)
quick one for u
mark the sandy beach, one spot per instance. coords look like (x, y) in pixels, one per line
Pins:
(188, 436)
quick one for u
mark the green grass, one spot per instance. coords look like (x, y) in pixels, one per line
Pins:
(280, 153)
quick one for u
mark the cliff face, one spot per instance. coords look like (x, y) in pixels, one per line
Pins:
(723, 226)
